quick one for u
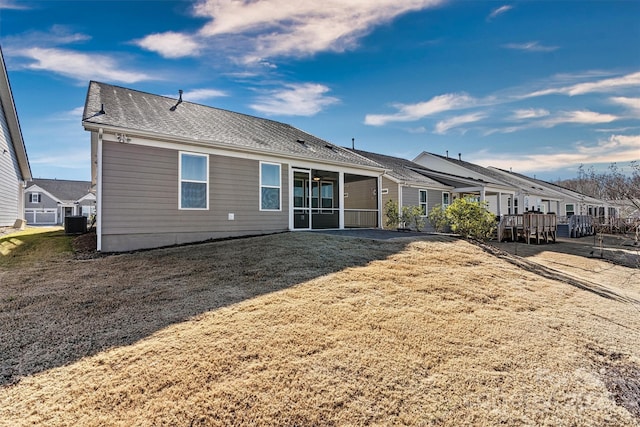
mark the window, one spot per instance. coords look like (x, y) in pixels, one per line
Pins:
(326, 194)
(88, 210)
(423, 202)
(509, 206)
(515, 206)
(194, 181)
(446, 200)
(269, 186)
(569, 209)
(35, 197)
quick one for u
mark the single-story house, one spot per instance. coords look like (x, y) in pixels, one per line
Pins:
(548, 197)
(50, 201)
(14, 163)
(469, 181)
(405, 183)
(168, 171)
(519, 193)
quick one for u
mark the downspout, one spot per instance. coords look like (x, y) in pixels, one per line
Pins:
(99, 192)
(379, 201)
(341, 207)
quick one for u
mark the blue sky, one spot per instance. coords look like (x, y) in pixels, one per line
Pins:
(537, 86)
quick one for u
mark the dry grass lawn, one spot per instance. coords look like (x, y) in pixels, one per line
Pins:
(311, 329)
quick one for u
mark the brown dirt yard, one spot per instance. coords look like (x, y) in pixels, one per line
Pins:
(318, 329)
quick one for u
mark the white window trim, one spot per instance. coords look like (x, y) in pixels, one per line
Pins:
(279, 187)
(573, 209)
(37, 197)
(180, 180)
(446, 205)
(426, 202)
(320, 198)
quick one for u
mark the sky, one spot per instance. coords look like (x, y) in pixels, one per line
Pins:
(538, 87)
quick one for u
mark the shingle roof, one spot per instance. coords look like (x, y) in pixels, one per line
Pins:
(494, 177)
(132, 110)
(401, 169)
(64, 190)
(551, 187)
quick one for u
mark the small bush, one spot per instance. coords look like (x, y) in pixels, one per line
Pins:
(471, 219)
(412, 216)
(438, 218)
(392, 215)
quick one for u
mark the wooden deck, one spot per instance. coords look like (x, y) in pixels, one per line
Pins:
(528, 227)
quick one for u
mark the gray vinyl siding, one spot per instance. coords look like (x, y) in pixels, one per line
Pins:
(10, 177)
(410, 196)
(362, 194)
(140, 200)
(46, 202)
(392, 194)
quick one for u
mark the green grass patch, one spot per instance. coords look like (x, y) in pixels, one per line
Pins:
(33, 245)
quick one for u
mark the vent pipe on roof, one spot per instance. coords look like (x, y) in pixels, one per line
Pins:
(353, 143)
(179, 101)
(460, 156)
(447, 154)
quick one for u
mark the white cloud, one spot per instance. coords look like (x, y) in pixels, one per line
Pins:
(444, 126)
(197, 95)
(286, 28)
(12, 4)
(417, 130)
(604, 85)
(305, 99)
(549, 120)
(578, 117)
(412, 112)
(170, 44)
(74, 115)
(80, 66)
(616, 148)
(55, 36)
(500, 11)
(531, 47)
(615, 143)
(529, 113)
(632, 104)
(72, 159)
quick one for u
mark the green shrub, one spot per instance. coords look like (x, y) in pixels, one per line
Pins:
(438, 218)
(391, 214)
(412, 216)
(471, 219)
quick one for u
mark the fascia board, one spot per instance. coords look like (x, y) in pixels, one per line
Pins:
(161, 140)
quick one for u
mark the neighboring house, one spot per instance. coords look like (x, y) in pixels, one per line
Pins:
(548, 197)
(14, 163)
(49, 201)
(169, 172)
(470, 180)
(519, 193)
(404, 183)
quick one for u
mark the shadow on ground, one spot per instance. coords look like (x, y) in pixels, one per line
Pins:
(55, 312)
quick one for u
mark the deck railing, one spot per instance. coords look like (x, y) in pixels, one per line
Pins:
(527, 226)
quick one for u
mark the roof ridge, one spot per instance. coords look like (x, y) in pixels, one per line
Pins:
(186, 101)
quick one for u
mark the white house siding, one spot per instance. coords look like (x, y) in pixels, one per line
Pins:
(140, 200)
(10, 178)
